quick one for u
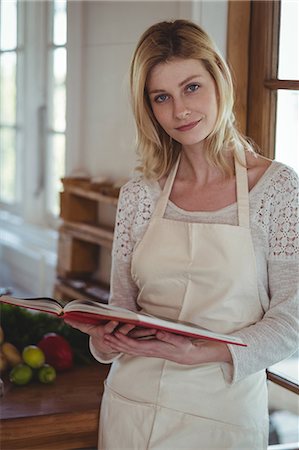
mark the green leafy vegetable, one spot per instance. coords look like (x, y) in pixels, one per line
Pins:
(23, 327)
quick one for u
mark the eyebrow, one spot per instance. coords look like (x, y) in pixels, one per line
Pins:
(155, 91)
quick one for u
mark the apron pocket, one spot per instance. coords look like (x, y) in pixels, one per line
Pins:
(174, 430)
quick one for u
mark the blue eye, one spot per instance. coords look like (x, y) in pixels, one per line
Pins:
(161, 98)
(192, 87)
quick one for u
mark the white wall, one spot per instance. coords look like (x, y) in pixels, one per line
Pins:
(101, 40)
(101, 135)
(100, 128)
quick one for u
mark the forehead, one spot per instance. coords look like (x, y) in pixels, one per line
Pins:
(175, 70)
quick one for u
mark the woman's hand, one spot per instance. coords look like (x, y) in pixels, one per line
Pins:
(169, 346)
(97, 333)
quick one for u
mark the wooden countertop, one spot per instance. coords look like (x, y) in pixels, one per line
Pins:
(61, 416)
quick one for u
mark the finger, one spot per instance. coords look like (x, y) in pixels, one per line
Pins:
(142, 332)
(125, 329)
(85, 328)
(198, 341)
(171, 338)
(121, 342)
(137, 345)
(116, 345)
(118, 337)
(110, 327)
(122, 347)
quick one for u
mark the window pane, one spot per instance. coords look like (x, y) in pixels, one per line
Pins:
(59, 65)
(58, 97)
(8, 25)
(59, 108)
(287, 131)
(59, 32)
(7, 165)
(288, 68)
(8, 88)
(56, 169)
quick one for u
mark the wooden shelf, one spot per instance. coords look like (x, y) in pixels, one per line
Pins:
(70, 293)
(81, 236)
(88, 233)
(92, 195)
(98, 231)
(81, 290)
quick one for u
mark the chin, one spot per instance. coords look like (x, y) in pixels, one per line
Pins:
(190, 140)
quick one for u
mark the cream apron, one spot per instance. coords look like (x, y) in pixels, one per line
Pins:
(205, 274)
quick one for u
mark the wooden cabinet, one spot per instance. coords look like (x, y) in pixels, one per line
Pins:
(85, 239)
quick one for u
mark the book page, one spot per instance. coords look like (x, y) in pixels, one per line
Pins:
(43, 304)
(90, 306)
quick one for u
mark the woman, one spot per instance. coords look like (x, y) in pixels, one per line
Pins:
(207, 235)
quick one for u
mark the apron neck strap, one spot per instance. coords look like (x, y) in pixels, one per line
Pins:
(241, 186)
(242, 189)
(164, 197)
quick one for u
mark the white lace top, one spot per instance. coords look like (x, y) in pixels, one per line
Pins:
(274, 216)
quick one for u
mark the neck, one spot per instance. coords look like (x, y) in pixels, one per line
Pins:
(195, 168)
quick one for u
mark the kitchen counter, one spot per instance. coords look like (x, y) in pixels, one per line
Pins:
(59, 416)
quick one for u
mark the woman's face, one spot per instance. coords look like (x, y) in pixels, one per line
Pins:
(184, 100)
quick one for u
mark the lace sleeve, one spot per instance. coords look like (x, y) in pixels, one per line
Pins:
(278, 215)
(133, 213)
(135, 208)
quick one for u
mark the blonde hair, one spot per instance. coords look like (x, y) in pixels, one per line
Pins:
(163, 42)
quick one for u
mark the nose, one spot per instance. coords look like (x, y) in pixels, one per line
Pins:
(181, 110)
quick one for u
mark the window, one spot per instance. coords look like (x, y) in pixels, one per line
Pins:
(11, 55)
(32, 107)
(287, 115)
(263, 53)
(273, 99)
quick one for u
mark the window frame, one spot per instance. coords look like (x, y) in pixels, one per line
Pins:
(257, 26)
(263, 57)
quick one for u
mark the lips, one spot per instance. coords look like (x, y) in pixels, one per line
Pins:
(188, 126)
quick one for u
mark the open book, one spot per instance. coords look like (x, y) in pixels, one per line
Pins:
(93, 312)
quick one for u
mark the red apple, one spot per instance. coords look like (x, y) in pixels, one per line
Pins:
(57, 350)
